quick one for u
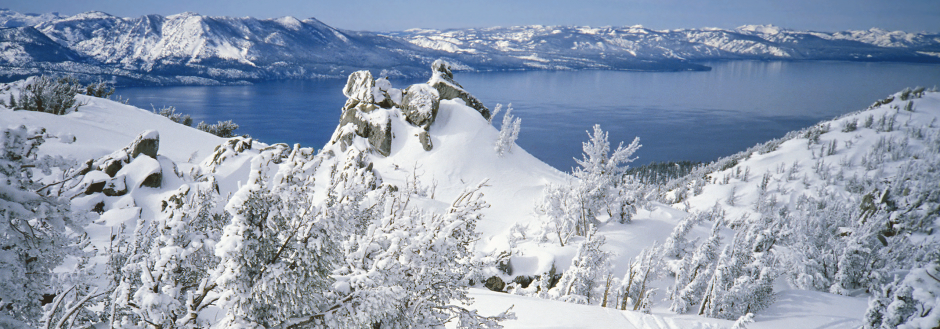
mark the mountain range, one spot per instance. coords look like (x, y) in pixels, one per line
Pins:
(189, 48)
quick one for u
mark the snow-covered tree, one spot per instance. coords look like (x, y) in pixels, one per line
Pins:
(695, 271)
(561, 211)
(508, 131)
(600, 173)
(409, 268)
(677, 245)
(744, 275)
(34, 235)
(600, 186)
(634, 287)
(167, 282)
(590, 264)
(277, 253)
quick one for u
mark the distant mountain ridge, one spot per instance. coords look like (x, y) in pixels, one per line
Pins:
(189, 48)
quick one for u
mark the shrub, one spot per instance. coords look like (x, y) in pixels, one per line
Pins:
(180, 118)
(49, 95)
(100, 89)
(849, 126)
(224, 129)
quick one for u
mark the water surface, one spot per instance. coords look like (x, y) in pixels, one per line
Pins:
(697, 116)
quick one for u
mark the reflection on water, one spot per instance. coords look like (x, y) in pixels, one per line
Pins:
(677, 115)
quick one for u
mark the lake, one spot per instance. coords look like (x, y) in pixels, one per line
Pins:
(696, 116)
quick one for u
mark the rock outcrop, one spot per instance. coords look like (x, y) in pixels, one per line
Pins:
(123, 170)
(443, 80)
(369, 102)
(360, 117)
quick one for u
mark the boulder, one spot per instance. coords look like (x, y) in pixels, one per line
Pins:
(425, 140)
(143, 171)
(94, 182)
(147, 143)
(494, 283)
(442, 79)
(116, 187)
(420, 105)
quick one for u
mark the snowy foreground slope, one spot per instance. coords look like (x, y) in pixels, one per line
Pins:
(418, 202)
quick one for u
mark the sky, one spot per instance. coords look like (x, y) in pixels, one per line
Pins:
(396, 15)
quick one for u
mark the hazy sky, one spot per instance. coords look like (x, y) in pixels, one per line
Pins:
(391, 15)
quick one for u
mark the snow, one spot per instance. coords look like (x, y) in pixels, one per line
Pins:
(514, 183)
(102, 126)
(463, 155)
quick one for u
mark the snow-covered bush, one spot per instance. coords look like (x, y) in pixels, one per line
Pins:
(99, 89)
(184, 119)
(48, 94)
(913, 303)
(224, 129)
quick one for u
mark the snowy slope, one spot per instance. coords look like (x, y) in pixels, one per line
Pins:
(462, 155)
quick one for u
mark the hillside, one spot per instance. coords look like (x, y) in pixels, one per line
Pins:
(418, 204)
(189, 48)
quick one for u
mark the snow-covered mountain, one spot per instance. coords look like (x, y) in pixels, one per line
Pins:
(197, 49)
(418, 202)
(567, 47)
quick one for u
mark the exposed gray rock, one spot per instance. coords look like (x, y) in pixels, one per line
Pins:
(95, 187)
(443, 81)
(420, 104)
(147, 143)
(154, 180)
(494, 283)
(356, 121)
(425, 140)
(230, 148)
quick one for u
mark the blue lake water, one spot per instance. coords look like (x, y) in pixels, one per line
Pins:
(697, 116)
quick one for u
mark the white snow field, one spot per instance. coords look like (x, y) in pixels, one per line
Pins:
(816, 163)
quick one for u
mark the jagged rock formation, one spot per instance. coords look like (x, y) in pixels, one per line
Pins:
(443, 80)
(360, 117)
(366, 113)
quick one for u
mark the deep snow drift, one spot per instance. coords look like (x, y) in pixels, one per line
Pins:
(433, 149)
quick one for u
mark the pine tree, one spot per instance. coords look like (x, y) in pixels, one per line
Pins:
(33, 234)
(695, 271)
(590, 264)
(276, 242)
(508, 132)
(409, 267)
